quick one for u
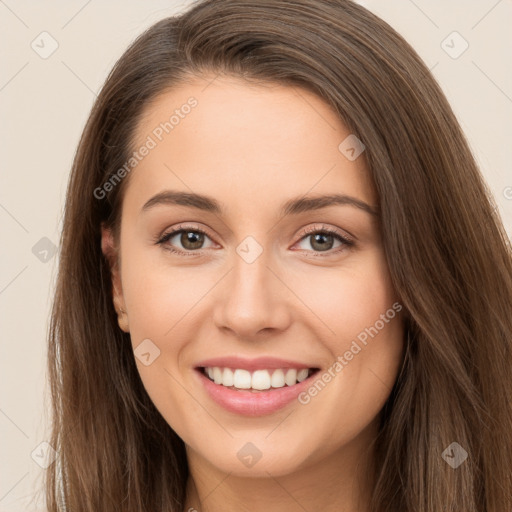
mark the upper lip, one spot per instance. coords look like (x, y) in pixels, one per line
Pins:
(259, 363)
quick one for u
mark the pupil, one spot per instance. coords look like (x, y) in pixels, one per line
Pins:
(192, 240)
(317, 239)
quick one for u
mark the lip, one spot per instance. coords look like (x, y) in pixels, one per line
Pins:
(250, 403)
(259, 363)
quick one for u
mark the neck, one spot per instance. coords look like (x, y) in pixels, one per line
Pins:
(341, 482)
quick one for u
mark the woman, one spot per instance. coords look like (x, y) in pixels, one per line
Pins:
(283, 283)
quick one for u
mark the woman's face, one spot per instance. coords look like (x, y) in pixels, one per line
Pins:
(279, 270)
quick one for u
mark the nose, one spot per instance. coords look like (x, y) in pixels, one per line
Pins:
(253, 300)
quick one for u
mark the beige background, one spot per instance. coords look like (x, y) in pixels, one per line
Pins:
(43, 107)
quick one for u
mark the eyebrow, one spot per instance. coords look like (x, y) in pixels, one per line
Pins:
(291, 207)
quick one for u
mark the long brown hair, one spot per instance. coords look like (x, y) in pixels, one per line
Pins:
(447, 252)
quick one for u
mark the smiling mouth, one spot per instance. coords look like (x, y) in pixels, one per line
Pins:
(256, 381)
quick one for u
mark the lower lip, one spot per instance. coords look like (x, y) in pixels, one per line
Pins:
(247, 403)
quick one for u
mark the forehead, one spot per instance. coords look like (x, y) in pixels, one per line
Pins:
(216, 135)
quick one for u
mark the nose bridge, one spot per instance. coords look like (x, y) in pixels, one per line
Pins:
(253, 298)
(251, 276)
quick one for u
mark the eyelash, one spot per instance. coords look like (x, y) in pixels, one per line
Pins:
(346, 241)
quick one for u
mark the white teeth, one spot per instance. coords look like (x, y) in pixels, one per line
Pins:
(227, 377)
(217, 375)
(302, 374)
(258, 380)
(291, 377)
(242, 379)
(277, 380)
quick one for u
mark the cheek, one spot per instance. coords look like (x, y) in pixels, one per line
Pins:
(160, 301)
(361, 310)
(351, 298)
(158, 295)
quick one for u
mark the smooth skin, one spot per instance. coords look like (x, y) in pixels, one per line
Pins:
(252, 148)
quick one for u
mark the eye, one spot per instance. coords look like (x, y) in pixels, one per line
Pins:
(185, 239)
(190, 240)
(324, 239)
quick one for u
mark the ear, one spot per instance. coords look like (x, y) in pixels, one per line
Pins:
(111, 253)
